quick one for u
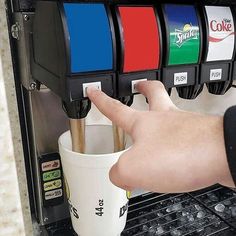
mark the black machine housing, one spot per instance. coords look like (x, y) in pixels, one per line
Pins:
(193, 87)
(124, 80)
(51, 60)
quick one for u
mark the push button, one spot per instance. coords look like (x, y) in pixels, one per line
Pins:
(180, 78)
(50, 165)
(97, 85)
(55, 174)
(52, 185)
(53, 194)
(51, 179)
(215, 74)
(134, 82)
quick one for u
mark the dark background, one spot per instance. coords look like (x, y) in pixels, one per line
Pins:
(28, 5)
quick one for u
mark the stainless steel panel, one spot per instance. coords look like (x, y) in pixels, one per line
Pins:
(49, 119)
(48, 122)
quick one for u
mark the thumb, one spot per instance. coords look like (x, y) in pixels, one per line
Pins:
(121, 173)
(156, 94)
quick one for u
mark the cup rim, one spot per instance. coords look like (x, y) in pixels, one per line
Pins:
(89, 155)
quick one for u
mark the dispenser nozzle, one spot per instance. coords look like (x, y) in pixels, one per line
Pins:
(77, 111)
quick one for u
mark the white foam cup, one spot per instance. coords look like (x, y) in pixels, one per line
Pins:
(97, 207)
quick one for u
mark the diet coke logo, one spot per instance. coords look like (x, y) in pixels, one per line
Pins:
(223, 26)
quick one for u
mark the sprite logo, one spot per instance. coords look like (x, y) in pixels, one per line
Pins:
(182, 36)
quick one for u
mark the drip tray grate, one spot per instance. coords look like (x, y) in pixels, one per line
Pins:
(207, 212)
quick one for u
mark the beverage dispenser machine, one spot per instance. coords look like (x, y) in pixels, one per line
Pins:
(59, 48)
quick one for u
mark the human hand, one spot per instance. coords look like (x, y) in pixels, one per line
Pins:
(173, 150)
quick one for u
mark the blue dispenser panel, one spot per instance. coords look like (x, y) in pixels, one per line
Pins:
(91, 46)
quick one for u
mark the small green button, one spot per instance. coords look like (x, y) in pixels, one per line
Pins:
(51, 175)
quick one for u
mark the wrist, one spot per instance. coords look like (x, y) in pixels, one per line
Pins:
(229, 129)
(223, 175)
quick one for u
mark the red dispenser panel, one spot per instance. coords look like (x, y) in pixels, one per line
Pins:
(140, 38)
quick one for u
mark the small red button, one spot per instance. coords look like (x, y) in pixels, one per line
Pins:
(141, 38)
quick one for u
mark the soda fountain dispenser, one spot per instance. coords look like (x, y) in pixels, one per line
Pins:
(216, 69)
(59, 48)
(183, 47)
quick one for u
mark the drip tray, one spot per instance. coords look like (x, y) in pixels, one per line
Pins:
(207, 212)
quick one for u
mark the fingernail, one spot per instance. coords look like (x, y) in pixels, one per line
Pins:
(91, 89)
(136, 86)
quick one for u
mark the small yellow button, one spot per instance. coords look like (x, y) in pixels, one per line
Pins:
(52, 185)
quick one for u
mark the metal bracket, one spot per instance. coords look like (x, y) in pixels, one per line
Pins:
(15, 30)
(22, 31)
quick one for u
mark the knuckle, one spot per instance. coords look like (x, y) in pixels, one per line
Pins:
(137, 119)
(159, 84)
(132, 124)
(116, 102)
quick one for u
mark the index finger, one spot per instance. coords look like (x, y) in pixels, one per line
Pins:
(122, 115)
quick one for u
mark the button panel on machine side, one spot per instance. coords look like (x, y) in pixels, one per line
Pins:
(51, 179)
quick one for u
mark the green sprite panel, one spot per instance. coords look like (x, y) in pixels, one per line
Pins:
(183, 34)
